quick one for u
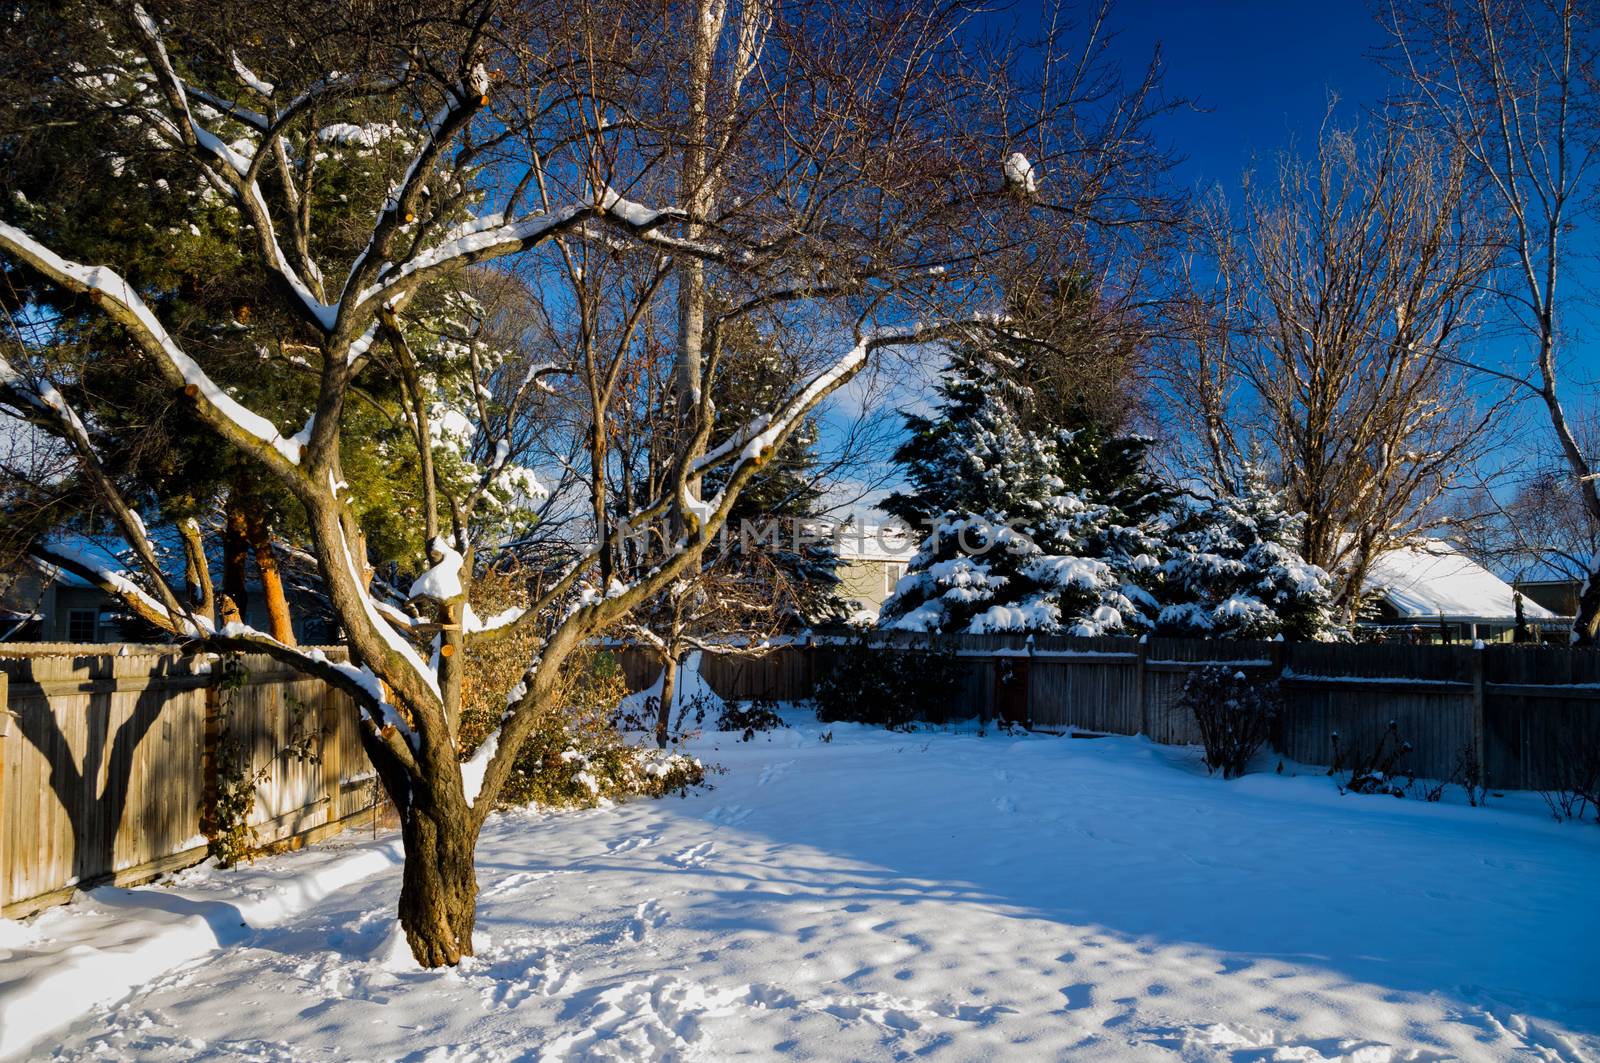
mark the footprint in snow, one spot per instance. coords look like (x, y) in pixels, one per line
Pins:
(774, 772)
(729, 815)
(628, 845)
(695, 855)
(646, 918)
(515, 881)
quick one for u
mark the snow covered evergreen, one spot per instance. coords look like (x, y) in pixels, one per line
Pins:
(1062, 529)
(1234, 570)
(1053, 531)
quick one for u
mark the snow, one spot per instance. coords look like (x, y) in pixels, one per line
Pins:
(265, 88)
(84, 956)
(688, 688)
(1431, 580)
(474, 769)
(442, 582)
(887, 895)
(1019, 172)
(874, 542)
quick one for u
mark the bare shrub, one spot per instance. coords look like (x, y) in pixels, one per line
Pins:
(1235, 715)
(1377, 769)
(1576, 792)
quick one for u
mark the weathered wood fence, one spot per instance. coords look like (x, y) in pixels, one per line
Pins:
(1517, 709)
(108, 755)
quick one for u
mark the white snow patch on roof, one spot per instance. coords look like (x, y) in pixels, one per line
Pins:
(1431, 580)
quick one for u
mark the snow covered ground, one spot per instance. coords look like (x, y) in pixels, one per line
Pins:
(942, 895)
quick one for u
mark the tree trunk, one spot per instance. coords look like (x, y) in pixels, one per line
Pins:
(235, 552)
(439, 887)
(669, 682)
(279, 624)
(1586, 624)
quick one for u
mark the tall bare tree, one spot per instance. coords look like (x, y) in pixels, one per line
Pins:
(863, 204)
(1512, 87)
(1330, 330)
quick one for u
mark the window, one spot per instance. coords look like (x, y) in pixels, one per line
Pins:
(891, 576)
(80, 625)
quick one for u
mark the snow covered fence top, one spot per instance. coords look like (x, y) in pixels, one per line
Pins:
(106, 769)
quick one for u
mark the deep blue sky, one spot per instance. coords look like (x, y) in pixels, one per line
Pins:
(1259, 73)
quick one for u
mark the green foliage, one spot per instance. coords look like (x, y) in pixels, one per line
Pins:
(866, 681)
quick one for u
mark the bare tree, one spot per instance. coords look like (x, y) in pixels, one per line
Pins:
(862, 203)
(1330, 331)
(1512, 87)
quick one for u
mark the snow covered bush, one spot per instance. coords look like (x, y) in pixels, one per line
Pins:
(1235, 570)
(1235, 715)
(1055, 530)
(865, 681)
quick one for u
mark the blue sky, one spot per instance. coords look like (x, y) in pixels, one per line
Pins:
(1259, 74)
(1258, 77)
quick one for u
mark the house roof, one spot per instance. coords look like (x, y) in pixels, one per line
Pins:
(874, 542)
(1431, 580)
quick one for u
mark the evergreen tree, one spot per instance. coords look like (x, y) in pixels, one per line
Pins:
(1235, 570)
(783, 496)
(1050, 529)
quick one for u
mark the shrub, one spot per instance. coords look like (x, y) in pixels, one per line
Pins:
(1375, 770)
(1577, 774)
(758, 715)
(1234, 713)
(871, 683)
(576, 757)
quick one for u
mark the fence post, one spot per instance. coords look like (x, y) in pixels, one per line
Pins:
(1141, 656)
(5, 734)
(210, 737)
(332, 744)
(1480, 717)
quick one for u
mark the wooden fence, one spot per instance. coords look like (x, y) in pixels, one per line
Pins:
(108, 755)
(1518, 710)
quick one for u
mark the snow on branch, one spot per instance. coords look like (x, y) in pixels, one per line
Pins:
(238, 170)
(118, 299)
(492, 236)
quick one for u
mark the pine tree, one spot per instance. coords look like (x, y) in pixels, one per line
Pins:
(1235, 571)
(784, 496)
(1051, 529)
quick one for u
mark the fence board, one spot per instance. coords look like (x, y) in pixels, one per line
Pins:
(103, 775)
(1535, 701)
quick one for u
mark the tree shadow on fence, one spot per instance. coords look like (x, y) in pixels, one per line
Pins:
(89, 758)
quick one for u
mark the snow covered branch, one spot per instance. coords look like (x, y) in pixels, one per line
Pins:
(119, 586)
(239, 425)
